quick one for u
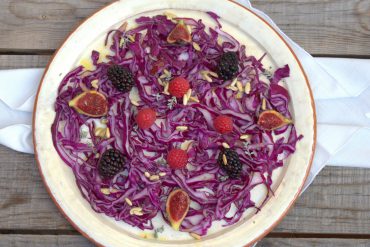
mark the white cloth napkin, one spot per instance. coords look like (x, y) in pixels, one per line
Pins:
(341, 89)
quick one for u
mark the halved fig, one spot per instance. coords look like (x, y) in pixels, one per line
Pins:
(90, 103)
(271, 120)
(179, 34)
(177, 207)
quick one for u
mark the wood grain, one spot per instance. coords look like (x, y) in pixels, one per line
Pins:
(337, 202)
(311, 242)
(331, 27)
(79, 241)
(24, 202)
(44, 240)
(23, 61)
(334, 27)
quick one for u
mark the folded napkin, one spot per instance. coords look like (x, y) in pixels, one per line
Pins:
(341, 89)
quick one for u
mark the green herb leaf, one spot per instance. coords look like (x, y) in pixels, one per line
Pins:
(158, 230)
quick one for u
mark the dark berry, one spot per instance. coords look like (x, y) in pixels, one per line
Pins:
(230, 163)
(111, 163)
(228, 66)
(121, 78)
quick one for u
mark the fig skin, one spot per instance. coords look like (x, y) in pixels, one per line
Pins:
(180, 34)
(272, 120)
(102, 110)
(175, 220)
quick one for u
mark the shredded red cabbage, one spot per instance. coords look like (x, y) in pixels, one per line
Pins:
(148, 56)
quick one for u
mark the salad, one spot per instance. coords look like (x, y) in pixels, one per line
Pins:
(178, 121)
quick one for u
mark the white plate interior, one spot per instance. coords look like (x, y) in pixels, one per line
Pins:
(250, 31)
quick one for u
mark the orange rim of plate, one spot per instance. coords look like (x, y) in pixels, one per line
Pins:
(250, 243)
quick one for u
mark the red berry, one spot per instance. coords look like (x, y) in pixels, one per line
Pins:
(178, 87)
(177, 158)
(145, 118)
(223, 124)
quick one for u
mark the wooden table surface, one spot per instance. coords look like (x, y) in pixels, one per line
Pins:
(334, 211)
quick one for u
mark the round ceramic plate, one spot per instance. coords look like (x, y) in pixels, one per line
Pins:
(259, 37)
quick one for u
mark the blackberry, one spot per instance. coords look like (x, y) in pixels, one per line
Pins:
(111, 163)
(228, 66)
(121, 78)
(233, 167)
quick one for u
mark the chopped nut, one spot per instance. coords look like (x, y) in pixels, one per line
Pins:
(194, 99)
(167, 73)
(247, 88)
(239, 85)
(181, 128)
(94, 83)
(138, 213)
(205, 75)
(107, 133)
(233, 88)
(135, 210)
(131, 38)
(123, 27)
(188, 93)
(196, 46)
(165, 91)
(128, 201)
(233, 83)
(162, 174)
(105, 191)
(185, 99)
(219, 41)
(225, 145)
(195, 236)
(160, 82)
(100, 132)
(139, 209)
(214, 74)
(224, 159)
(97, 155)
(154, 178)
(147, 174)
(169, 15)
(122, 41)
(263, 104)
(244, 137)
(135, 103)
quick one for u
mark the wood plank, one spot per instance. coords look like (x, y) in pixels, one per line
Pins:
(44, 240)
(337, 202)
(38, 24)
(332, 27)
(311, 242)
(79, 241)
(23, 61)
(323, 27)
(24, 202)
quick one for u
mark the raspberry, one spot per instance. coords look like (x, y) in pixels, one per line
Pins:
(177, 158)
(145, 118)
(223, 124)
(178, 87)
